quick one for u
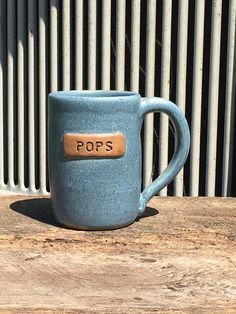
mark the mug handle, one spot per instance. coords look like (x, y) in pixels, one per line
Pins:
(182, 134)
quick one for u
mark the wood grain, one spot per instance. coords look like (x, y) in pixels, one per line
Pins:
(179, 258)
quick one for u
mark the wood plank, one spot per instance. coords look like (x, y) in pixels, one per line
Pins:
(179, 258)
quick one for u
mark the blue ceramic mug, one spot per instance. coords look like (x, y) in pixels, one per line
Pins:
(95, 156)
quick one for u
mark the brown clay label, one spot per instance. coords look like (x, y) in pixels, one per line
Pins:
(94, 145)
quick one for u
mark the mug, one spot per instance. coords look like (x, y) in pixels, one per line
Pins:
(95, 157)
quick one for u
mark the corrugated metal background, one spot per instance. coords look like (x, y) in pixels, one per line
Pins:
(181, 50)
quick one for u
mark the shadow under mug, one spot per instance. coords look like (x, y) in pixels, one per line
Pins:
(95, 157)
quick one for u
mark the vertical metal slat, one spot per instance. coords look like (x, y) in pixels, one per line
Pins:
(92, 10)
(165, 86)
(31, 95)
(213, 98)
(53, 45)
(42, 95)
(135, 42)
(79, 44)
(120, 44)
(11, 23)
(149, 91)
(181, 76)
(106, 43)
(196, 98)
(229, 103)
(21, 18)
(65, 44)
(2, 184)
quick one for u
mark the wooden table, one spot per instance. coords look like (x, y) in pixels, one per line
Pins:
(179, 258)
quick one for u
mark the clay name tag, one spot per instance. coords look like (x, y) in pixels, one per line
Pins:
(94, 145)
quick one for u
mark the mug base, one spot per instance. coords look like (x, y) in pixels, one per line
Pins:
(94, 228)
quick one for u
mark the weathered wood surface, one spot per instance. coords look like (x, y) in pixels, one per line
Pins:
(180, 258)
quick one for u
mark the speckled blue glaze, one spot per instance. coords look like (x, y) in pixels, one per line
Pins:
(105, 193)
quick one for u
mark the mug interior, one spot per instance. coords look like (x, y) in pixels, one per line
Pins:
(93, 94)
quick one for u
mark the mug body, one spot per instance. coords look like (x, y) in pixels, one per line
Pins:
(91, 188)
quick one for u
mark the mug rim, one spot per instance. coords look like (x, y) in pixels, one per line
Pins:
(91, 94)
